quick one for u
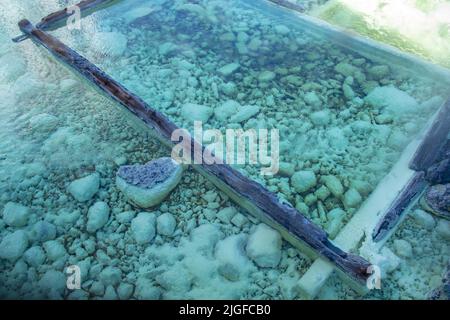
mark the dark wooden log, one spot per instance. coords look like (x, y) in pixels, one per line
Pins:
(289, 5)
(435, 140)
(294, 226)
(410, 193)
(58, 19)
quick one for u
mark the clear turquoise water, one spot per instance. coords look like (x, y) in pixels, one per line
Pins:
(171, 57)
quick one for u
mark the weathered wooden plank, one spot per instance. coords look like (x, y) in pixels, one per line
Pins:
(434, 142)
(407, 197)
(294, 226)
(59, 18)
(289, 5)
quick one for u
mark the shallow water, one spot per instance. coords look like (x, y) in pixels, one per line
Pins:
(171, 58)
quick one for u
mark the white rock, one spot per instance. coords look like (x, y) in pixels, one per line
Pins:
(165, 224)
(282, 29)
(15, 214)
(98, 215)
(42, 231)
(245, 113)
(145, 289)
(110, 276)
(43, 123)
(352, 198)
(443, 229)
(229, 69)
(264, 246)
(111, 44)
(13, 245)
(84, 189)
(335, 221)
(229, 252)
(403, 248)
(55, 250)
(34, 256)
(303, 181)
(143, 227)
(266, 76)
(125, 291)
(53, 282)
(226, 214)
(334, 185)
(148, 185)
(196, 112)
(423, 219)
(392, 100)
(320, 118)
(226, 110)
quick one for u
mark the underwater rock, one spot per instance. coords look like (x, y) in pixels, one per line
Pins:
(229, 69)
(15, 214)
(196, 112)
(68, 84)
(437, 200)
(423, 219)
(42, 231)
(282, 30)
(439, 172)
(111, 44)
(138, 12)
(334, 185)
(110, 276)
(53, 283)
(304, 180)
(167, 48)
(379, 72)
(352, 198)
(443, 229)
(43, 123)
(266, 76)
(98, 215)
(176, 279)
(84, 189)
(320, 118)
(145, 289)
(54, 250)
(245, 113)
(264, 246)
(229, 252)
(312, 99)
(125, 291)
(143, 227)
(226, 110)
(34, 256)
(286, 169)
(403, 248)
(12, 67)
(226, 214)
(346, 69)
(165, 224)
(147, 185)
(13, 245)
(348, 91)
(392, 100)
(335, 221)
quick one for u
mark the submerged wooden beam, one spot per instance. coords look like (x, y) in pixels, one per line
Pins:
(407, 197)
(289, 5)
(59, 18)
(434, 141)
(294, 226)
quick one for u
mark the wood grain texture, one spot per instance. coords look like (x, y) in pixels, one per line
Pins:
(435, 141)
(284, 216)
(393, 215)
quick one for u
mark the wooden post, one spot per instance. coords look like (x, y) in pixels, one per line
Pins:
(59, 18)
(294, 226)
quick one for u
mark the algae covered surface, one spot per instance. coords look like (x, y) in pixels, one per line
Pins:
(343, 122)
